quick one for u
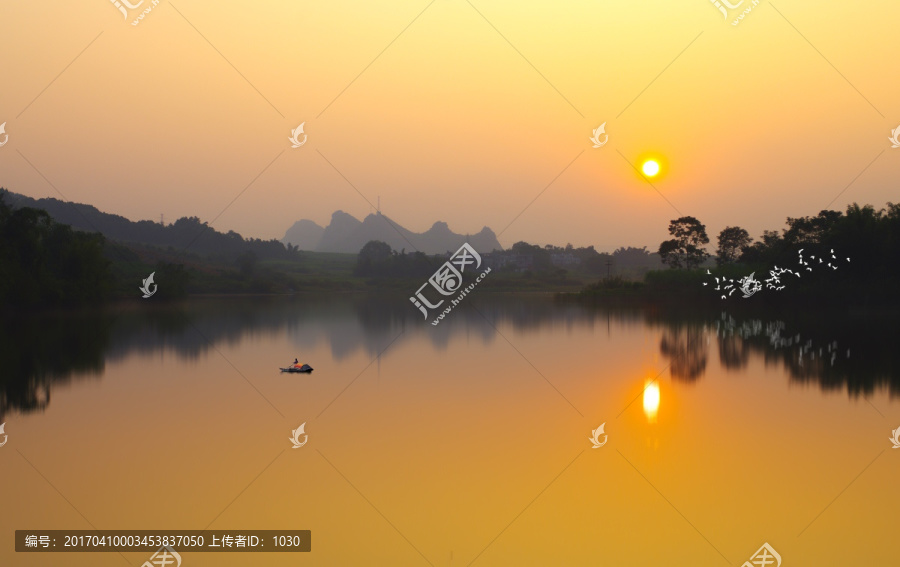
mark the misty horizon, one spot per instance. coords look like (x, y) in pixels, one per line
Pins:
(651, 247)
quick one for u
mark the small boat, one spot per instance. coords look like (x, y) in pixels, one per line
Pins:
(306, 368)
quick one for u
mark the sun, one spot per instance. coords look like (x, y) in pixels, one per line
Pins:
(651, 401)
(650, 168)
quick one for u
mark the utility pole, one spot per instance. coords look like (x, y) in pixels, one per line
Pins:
(608, 264)
(161, 219)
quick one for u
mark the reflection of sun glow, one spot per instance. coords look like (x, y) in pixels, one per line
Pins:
(651, 401)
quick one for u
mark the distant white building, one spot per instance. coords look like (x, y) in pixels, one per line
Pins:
(564, 259)
(520, 262)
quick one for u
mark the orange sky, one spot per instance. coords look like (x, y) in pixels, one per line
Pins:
(455, 111)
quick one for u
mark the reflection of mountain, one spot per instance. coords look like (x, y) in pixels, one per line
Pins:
(347, 234)
(41, 351)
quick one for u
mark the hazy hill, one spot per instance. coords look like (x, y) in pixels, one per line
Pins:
(347, 234)
(186, 234)
(304, 234)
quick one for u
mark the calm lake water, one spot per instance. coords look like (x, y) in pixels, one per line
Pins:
(464, 443)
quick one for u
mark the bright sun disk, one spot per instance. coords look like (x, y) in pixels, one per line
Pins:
(650, 168)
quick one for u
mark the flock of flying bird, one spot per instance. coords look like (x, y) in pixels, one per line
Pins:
(748, 285)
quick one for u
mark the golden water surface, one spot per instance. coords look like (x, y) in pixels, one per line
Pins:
(462, 444)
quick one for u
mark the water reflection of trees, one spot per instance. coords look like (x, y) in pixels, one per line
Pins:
(813, 347)
(38, 352)
(857, 353)
(686, 348)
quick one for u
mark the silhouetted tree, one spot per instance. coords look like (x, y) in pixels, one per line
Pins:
(247, 263)
(811, 230)
(185, 235)
(373, 258)
(171, 280)
(540, 256)
(45, 262)
(685, 250)
(732, 241)
(629, 255)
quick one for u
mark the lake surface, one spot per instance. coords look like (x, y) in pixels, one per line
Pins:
(465, 443)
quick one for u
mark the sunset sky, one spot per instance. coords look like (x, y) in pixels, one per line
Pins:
(456, 111)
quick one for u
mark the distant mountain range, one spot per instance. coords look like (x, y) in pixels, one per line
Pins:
(347, 234)
(344, 234)
(187, 234)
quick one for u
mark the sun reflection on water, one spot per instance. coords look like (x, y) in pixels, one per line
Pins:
(651, 401)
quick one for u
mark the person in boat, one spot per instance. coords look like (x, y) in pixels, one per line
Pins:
(296, 362)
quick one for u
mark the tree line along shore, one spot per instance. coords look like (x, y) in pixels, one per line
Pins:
(46, 263)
